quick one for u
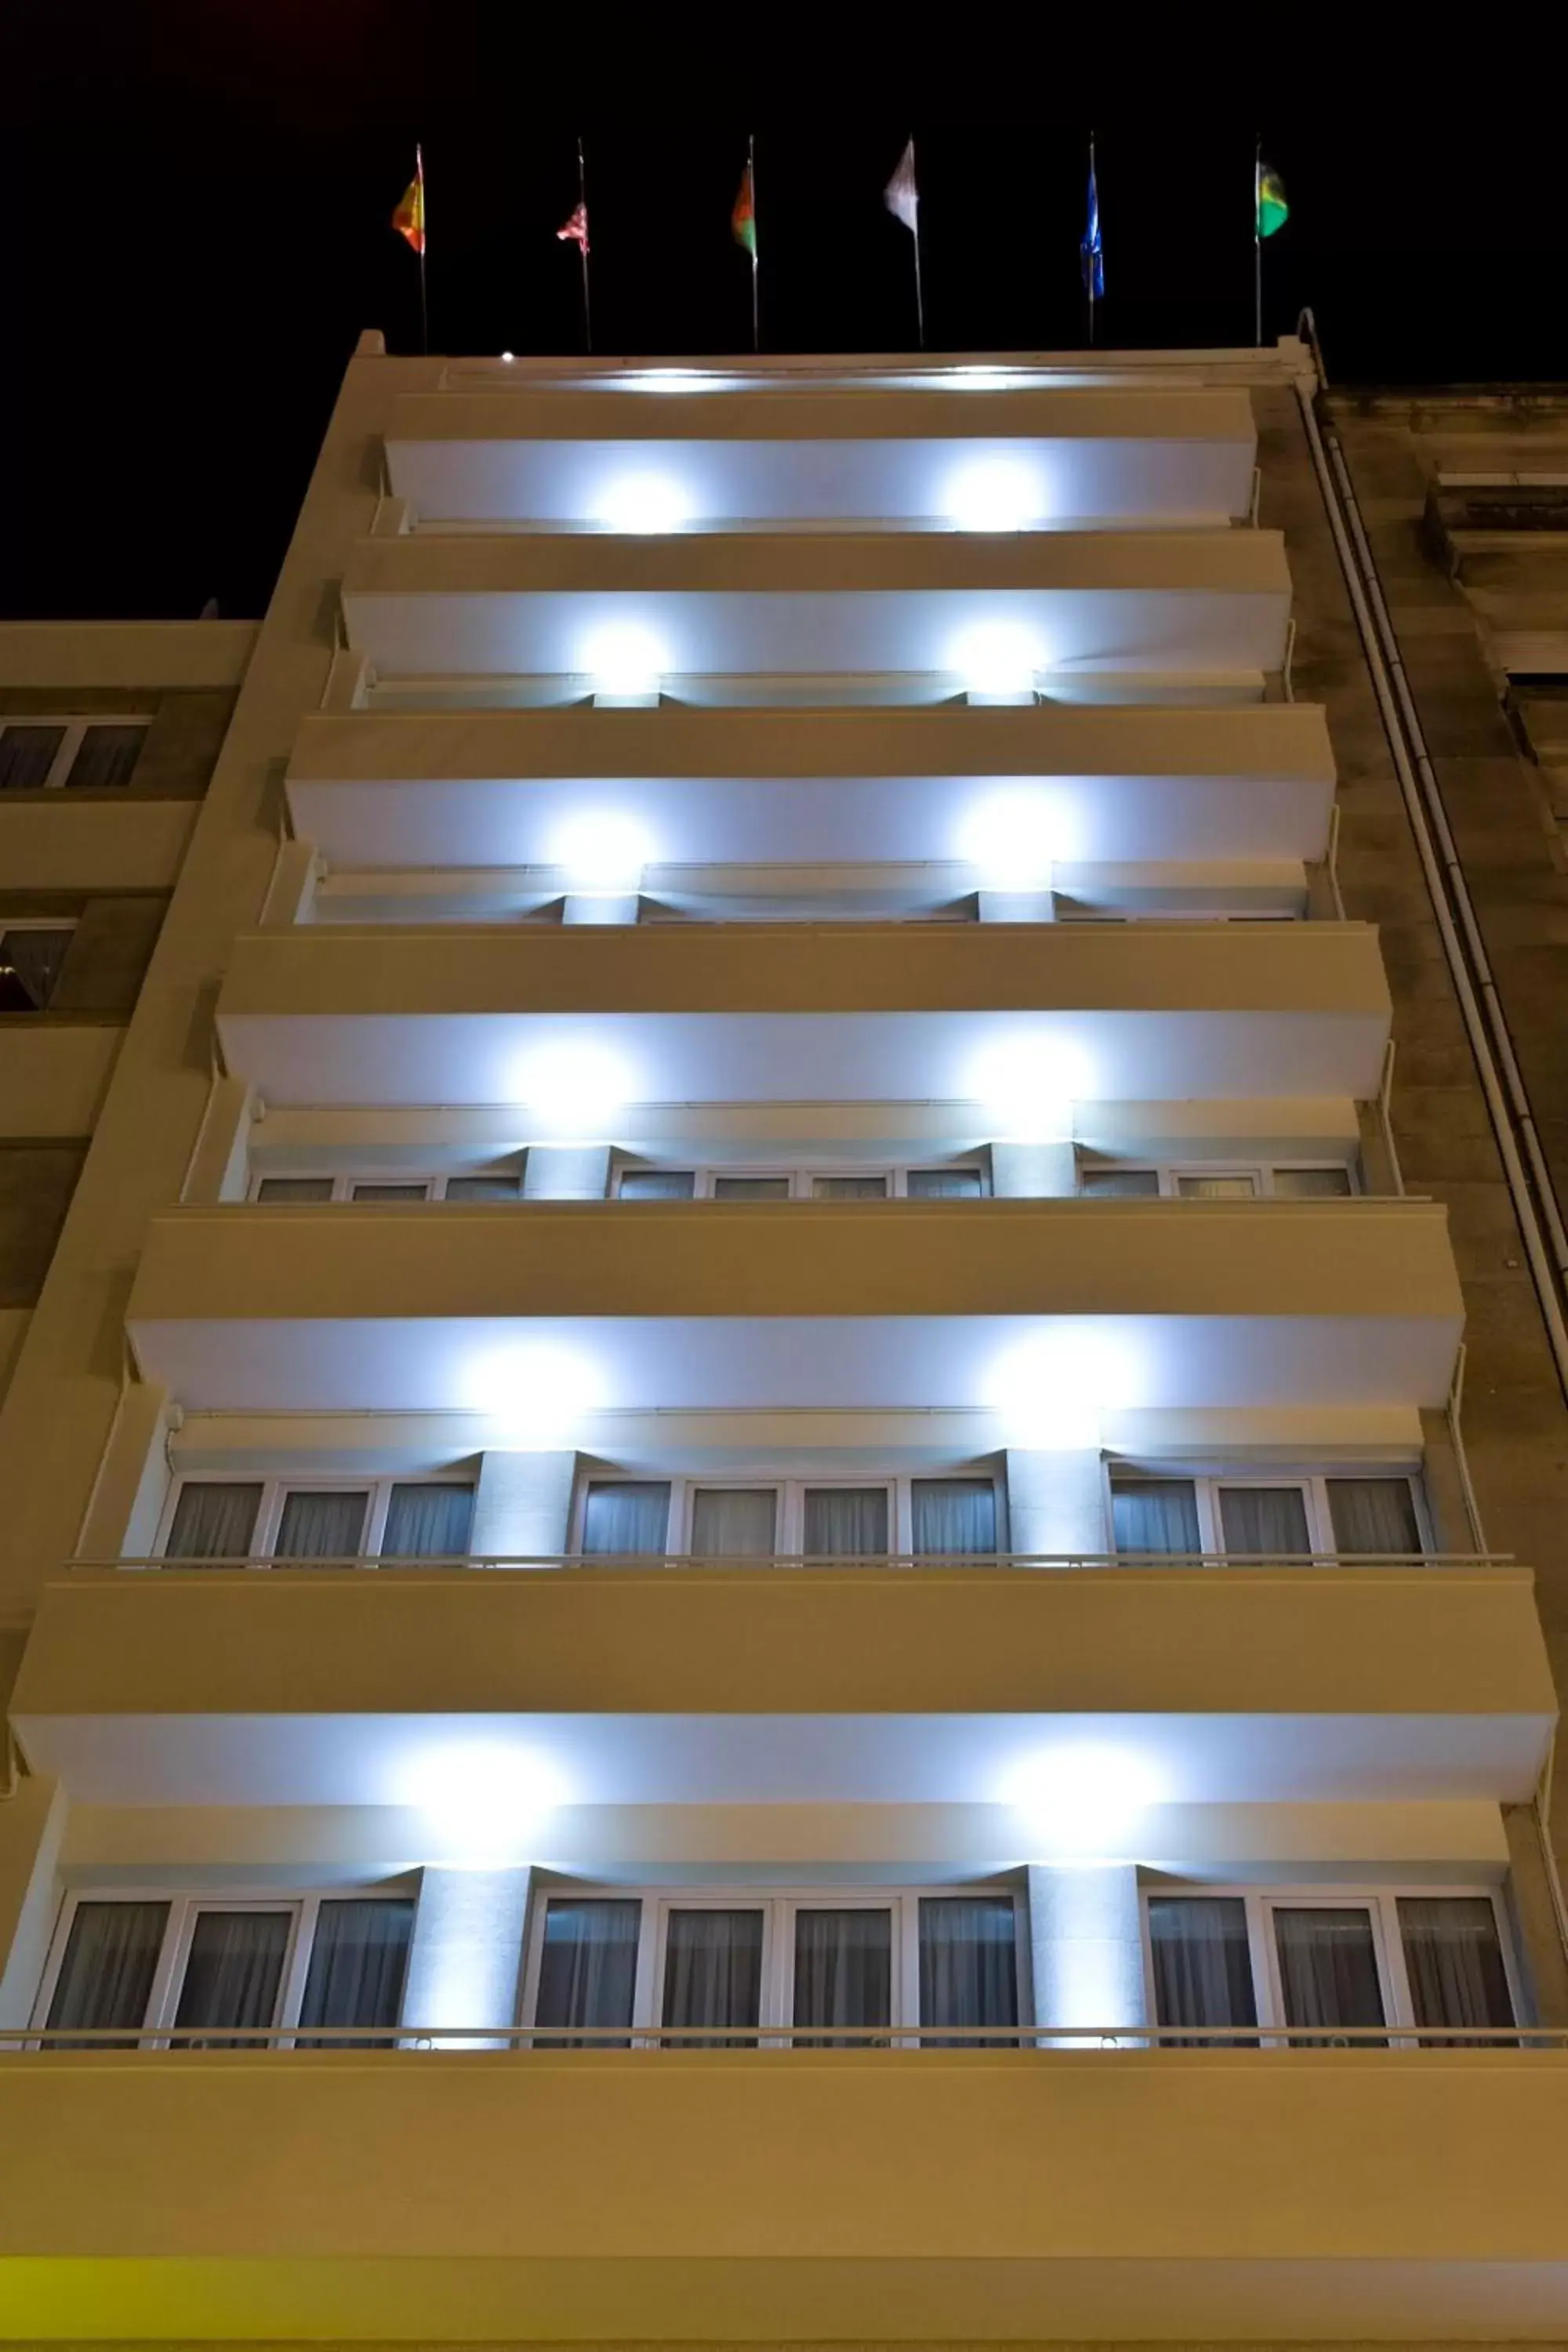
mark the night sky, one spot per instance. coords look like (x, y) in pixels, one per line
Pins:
(199, 229)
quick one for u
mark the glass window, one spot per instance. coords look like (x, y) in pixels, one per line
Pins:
(432, 1521)
(713, 1970)
(111, 1957)
(213, 1520)
(734, 1522)
(1119, 1183)
(106, 758)
(751, 1188)
(1202, 1959)
(1374, 1515)
(1453, 1961)
(626, 1516)
(32, 957)
(499, 1187)
(409, 1191)
(848, 1188)
(1217, 1188)
(843, 1969)
(1312, 1184)
(234, 1972)
(320, 1525)
(588, 1967)
(359, 1960)
(1264, 1520)
(295, 1188)
(26, 755)
(1156, 1515)
(945, 1185)
(658, 1183)
(969, 1962)
(846, 1523)
(1328, 1967)
(953, 1517)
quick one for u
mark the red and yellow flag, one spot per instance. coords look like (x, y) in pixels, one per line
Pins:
(408, 219)
(743, 220)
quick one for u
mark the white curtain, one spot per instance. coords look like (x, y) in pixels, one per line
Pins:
(658, 1183)
(26, 755)
(751, 1188)
(412, 1191)
(359, 1960)
(954, 1516)
(430, 1521)
(1267, 1520)
(1311, 1184)
(499, 1187)
(234, 1971)
(943, 1184)
(1156, 1515)
(1328, 1968)
(713, 1970)
(318, 1524)
(848, 1188)
(299, 1189)
(969, 1964)
(213, 1520)
(734, 1523)
(106, 1977)
(105, 758)
(587, 1972)
(1202, 1965)
(1120, 1184)
(846, 1523)
(626, 1515)
(1217, 1188)
(843, 1969)
(1374, 1514)
(1453, 1961)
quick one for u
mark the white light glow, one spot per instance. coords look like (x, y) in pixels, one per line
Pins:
(1013, 839)
(671, 379)
(1083, 1799)
(483, 1799)
(644, 502)
(509, 357)
(994, 494)
(538, 1392)
(1052, 1390)
(997, 657)
(602, 850)
(574, 1088)
(985, 379)
(624, 658)
(1027, 1086)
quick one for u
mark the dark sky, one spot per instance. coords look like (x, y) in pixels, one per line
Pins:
(198, 229)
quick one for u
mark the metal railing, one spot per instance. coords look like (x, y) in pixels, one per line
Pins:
(933, 1564)
(1032, 2037)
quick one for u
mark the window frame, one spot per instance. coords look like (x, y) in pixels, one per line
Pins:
(76, 726)
(275, 1489)
(1312, 1485)
(343, 1185)
(1262, 1173)
(789, 1516)
(802, 1174)
(9, 923)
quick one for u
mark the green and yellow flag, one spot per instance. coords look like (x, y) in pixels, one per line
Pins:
(1273, 212)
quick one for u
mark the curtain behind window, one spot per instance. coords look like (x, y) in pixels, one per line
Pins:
(954, 1516)
(37, 958)
(1202, 1965)
(105, 758)
(848, 1188)
(298, 1188)
(26, 755)
(1311, 1184)
(751, 1188)
(943, 1184)
(322, 1525)
(1217, 1188)
(1120, 1184)
(1267, 1519)
(359, 1960)
(1454, 1961)
(625, 1515)
(1328, 1968)
(734, 1523)
(658, 1183)
(234, 1972)
(846, 1523)
(843, 1971)
(497, 1186)
(1156, 1515)
(428, 1522)
(587, 1972)
(969, 1962)
(213, 1520)
(106, 1977)
(1374, 1514)
(713, 1971)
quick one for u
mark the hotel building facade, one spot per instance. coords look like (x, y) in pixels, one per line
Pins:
(784, 1520)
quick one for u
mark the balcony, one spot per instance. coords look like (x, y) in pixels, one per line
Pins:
(382, 1016)
(661, 2196)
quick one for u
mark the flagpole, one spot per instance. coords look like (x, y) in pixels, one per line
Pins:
(424, 239)
(583, 250)
(752, 182)
(1257, 244)
(920, 298)
(1094, 183)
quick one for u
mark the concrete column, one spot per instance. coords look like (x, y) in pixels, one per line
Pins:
(566, 1172)
(1085, 1942)
(1538, 1935)
(522, 1507)
(1055, 1501)
(292, 890)
(32, 1829)
(1033, 1170)
(600, 906)
(220, 1164)
(467, 1953)
(1017, 906)
(133, 1484)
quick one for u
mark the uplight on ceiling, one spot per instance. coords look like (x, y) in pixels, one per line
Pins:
(601, 851)
(483, 1799)
(539, 1391)
(1013, 838)
(995, 494)
(624, 657)
(645, 503)
(574, 1088)
(997, 657)
(1083, 1799)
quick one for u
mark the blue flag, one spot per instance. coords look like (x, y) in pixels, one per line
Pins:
(1090, 248)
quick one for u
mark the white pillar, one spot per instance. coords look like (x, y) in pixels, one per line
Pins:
(1033, 1170)
(220, 1164)
(523, 1506)
(566, 1172)
(1085, 1942)
(600, 906)
(466, 1954)
(1017, 906)
(32, 1831)
(1055, 1501)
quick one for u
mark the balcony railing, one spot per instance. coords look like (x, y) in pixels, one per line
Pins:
(837, 1563)
(1034, 2036)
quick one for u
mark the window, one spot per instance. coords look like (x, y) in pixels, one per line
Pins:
(955, 1517)
(1267, 1517)
(488, 1184)
(32, 957)
(966, 1180)
(1376, 1964)
(212, 1520)
(718, 1968)
(85, 754)
(1111, 1180)
(217, 1968)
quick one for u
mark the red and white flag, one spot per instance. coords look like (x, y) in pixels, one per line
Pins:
(900, 195)
(575, 227)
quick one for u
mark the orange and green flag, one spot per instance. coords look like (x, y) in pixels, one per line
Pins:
(1273, 212)
(744, 219)
(408, 219)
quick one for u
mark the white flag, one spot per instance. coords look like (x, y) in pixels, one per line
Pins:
(900, 195)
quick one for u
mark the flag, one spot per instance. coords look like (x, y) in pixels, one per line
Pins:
(900, 195)
(743, 220)
(575, 227)
(408, 219)
(1090, 247)
(1273, 212)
